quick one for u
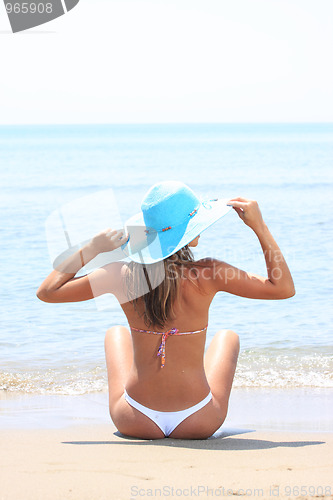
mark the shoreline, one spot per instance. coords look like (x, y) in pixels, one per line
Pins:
(264, 410)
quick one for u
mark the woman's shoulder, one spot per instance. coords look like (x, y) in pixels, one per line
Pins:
(205, 260)
(208, 263)
(204, 270)
(210, 268)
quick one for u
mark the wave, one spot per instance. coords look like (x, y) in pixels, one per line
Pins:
(264, 369)
(54, 382)
(254, 369)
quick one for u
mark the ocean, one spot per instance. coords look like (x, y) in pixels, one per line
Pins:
(57, 349)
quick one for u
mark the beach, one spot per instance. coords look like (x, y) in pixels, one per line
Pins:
(66, 447)
(58, 441)
(95, 463)
(99, 103)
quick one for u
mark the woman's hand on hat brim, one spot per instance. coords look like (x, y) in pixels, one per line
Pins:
(108, 240)
(249, 211)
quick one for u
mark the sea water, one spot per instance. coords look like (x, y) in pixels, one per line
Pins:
(58, 348)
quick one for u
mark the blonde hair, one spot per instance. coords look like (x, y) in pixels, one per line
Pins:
(156, 287)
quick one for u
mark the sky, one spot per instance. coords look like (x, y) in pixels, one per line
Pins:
(155, 61)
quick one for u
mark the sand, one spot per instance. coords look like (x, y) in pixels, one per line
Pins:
(274, 444)
(95, 462)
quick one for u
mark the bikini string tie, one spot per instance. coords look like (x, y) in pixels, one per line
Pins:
(161, 349)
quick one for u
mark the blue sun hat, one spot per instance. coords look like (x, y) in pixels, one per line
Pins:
(171, 217)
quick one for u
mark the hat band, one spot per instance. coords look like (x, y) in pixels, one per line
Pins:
(190, 215)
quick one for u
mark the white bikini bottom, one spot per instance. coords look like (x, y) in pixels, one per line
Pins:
(167, 421)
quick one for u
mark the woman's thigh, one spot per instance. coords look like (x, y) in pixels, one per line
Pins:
(220, 366)
(119, 359)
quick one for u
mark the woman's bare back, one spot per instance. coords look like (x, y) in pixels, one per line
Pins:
(182, 381)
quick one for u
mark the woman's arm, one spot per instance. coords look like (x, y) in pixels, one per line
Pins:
(278, 284)
(61, 284)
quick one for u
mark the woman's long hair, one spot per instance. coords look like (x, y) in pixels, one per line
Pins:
(156, 287)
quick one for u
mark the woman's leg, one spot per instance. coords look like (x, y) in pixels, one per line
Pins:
(119, 359)
(220, 366)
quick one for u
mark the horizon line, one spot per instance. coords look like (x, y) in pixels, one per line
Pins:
(170, 123)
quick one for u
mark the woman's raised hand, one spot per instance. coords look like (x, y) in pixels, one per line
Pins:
(248, 211)
(108, 240)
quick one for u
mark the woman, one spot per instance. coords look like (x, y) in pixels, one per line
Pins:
(160, 382)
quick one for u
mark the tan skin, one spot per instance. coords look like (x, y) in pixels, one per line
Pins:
(188, 374)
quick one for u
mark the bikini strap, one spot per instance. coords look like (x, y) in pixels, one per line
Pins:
(161, 349)
(165, 335)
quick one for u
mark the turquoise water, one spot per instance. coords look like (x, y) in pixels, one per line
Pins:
(58, 348)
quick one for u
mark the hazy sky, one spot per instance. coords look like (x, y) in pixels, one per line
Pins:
(112, 61)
